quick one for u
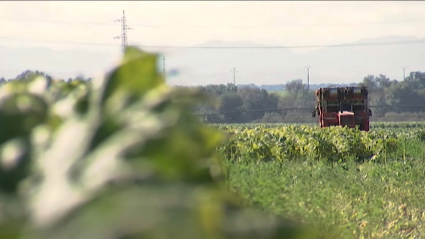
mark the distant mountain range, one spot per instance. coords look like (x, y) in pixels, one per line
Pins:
(329, 65)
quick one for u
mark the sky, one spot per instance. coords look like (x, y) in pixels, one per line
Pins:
(91, 25)
(188, 23)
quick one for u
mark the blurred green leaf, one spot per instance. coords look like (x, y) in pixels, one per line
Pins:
(120, 158)
(136, 76)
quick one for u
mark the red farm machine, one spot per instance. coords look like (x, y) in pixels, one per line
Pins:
(343, 106)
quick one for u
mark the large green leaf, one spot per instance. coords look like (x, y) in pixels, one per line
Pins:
(124, 157)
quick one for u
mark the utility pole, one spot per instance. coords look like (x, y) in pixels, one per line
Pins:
(404, 72)
(308, 78)
(124, 29)
(234, 75)
(163, 63)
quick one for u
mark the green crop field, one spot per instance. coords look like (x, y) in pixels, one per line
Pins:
(345, 183)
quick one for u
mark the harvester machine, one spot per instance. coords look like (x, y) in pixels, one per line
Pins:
(343, 106)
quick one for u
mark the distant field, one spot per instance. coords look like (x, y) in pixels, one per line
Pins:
(373, 125)
(349, 184)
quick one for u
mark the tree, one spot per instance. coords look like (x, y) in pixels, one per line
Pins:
(286, 101)
(257, 99)
(230, 103)
(416, 79)
(295, 86)
(29, 75)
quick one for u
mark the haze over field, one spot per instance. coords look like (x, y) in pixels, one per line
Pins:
(63, 45)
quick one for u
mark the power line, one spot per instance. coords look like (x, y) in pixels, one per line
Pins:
(58, 41)
(291, 26)
(289, 47)
(56, 21)
(206, 26)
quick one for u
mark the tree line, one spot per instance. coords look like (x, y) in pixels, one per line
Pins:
(250, 104)
(29, 74)
(235, 104)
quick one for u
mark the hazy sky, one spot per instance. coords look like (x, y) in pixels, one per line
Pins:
(188, 23)
(91, 25)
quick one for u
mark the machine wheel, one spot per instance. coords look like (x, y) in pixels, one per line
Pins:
(361, 125)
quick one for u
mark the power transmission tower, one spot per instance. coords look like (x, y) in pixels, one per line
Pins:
(234, 75)
(308, 77)
(124, 29)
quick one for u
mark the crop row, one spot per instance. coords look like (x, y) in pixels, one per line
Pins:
(334, 144)
(373, 125)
